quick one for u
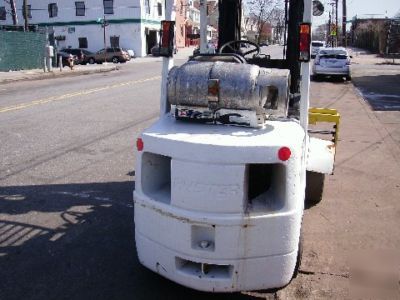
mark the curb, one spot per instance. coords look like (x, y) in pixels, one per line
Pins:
(53, 75)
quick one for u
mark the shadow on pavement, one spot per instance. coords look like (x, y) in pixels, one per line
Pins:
(331, 79)
(76, 241)
(382, 92)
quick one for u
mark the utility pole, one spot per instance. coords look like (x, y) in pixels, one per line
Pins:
(203, 26)
(25, 13)
(14, 12)
(344, 22)
(336, 22)
(104, 25)
(329, 30)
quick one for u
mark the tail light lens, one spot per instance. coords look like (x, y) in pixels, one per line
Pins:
(284, 153)
(139, 144)
(305, 42)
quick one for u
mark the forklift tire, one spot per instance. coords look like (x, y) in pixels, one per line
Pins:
(314, 188)
(299, 256)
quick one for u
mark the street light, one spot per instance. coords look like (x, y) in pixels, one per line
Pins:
(104, 23)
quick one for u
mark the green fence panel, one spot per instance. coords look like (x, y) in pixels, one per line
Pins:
(21, 50)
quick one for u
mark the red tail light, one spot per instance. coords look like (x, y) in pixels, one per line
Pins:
(284, 153)
(305, 42)
(139, 144)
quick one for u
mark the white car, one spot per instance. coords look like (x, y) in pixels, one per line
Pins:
(315, 46)
(332, 62)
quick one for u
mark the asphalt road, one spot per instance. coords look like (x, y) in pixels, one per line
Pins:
(67, 176)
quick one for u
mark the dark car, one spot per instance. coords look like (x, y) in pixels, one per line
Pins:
(81, 54)
(114, 55)
(65, 57)
(155, 51)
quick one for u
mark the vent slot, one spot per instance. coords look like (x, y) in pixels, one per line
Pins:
(156, 177)
(266, 186)
(203, 270)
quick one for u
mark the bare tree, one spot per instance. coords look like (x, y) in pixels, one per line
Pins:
(261, 13)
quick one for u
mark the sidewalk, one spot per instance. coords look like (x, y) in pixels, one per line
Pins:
(39, 74)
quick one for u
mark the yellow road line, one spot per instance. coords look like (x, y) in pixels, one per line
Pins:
(72, 95)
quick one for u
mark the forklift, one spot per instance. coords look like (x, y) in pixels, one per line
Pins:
(223, 176)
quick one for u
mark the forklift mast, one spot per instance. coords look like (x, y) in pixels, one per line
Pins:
(230, 20)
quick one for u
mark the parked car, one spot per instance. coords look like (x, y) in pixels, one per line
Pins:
(131, 53)
(265, 44)
(82, 54)
(333, 62)
(315, 46)
(65, 57)
(114, 55)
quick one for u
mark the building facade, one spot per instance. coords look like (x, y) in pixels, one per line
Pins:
(181, 19)
(131, 24)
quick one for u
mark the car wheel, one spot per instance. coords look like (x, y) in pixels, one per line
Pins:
(91, 61)
(115, 60)
(314, 188)
(348, 77)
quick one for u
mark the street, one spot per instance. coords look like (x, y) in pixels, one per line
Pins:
(67, 153)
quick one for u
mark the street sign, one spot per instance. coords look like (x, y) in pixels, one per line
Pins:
(333, 30)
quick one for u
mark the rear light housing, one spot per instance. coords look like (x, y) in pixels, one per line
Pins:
(305, 42)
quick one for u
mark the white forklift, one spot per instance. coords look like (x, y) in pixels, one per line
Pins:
(222, 177)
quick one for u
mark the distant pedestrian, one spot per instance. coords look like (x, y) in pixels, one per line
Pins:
(71, 61)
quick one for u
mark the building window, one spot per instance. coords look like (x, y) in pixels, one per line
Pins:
(53, 10)
(114, 41)
(147, 6)
(108, 7)
(80, 8)
(83, 42)
(3, 13)
(159, 8)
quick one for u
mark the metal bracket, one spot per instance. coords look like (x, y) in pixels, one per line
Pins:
(326, 115)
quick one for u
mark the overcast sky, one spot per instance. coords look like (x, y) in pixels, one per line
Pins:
(361, 8)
